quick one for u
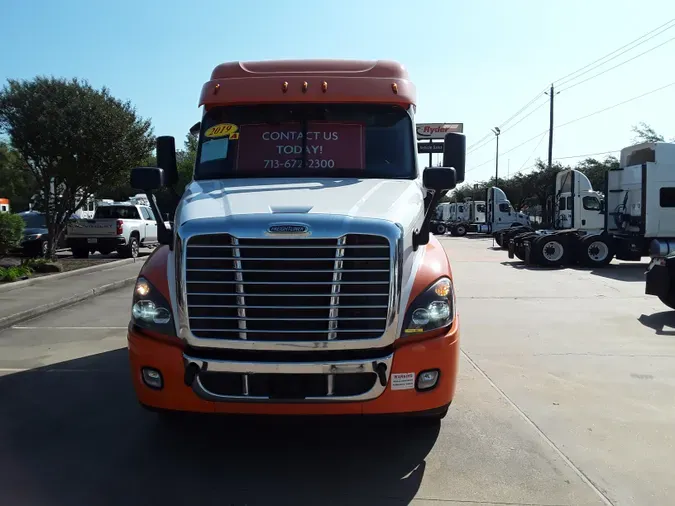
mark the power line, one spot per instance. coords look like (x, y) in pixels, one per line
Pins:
(536, 97)
(470, 148)
(533, 151)
(510, 150)
(484, 141)
(577, 119)
(615, 105)
(587, 154)
(526, 116)
(616, 66)
(557, 81)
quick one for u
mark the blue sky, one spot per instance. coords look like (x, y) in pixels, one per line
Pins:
(474, 62)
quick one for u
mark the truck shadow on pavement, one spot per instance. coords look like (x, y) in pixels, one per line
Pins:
(620, 272)
(73, 433)
(663, 323)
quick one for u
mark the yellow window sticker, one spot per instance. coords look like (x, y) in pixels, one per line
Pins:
(222, 130)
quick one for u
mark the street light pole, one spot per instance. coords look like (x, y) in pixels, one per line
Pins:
(496, 131)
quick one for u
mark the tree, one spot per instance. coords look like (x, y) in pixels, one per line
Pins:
(75, 140)
(596, 171)
(645, 133)
(16, 182)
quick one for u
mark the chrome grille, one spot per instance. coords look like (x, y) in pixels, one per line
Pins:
(288, 289)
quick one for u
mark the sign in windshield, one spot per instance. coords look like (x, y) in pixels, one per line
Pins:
(326, 146)
(296, 140)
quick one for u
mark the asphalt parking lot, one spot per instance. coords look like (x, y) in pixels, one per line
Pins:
(565, 397)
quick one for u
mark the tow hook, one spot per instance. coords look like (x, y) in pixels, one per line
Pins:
(381, 371)
(191, 372)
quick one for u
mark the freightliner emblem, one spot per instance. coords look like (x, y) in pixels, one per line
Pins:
(288, 228)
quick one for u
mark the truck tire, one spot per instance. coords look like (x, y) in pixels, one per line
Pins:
(439, 229)
(499, 238)
(131, 249)
(595, 251)
(460, 230)
(549, 251)
(80, 252)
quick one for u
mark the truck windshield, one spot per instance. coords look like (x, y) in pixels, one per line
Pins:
(300, 140)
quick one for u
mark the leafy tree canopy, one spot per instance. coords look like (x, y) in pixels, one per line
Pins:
(75, 141)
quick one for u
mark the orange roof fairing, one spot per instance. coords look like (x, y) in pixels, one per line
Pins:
(312, 81)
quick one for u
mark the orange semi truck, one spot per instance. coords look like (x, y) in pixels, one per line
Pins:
(299, 276)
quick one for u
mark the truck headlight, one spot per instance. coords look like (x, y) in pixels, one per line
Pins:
(150, 309)
(432, 309)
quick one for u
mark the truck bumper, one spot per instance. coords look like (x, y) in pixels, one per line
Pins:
(658, 278)
(101, 242)
(398, 395)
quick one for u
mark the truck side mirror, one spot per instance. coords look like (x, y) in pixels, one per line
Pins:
(194, 130)
(454, 154)
(439, 178)
(147, 179)
(166, 159)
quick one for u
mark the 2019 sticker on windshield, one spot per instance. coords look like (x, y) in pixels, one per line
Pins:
(223, 130)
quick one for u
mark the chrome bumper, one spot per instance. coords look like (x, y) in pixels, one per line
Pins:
(380, 366)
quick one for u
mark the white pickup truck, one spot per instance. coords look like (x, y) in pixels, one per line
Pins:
(122, 226)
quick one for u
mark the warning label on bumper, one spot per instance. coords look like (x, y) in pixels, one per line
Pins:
(403, 381)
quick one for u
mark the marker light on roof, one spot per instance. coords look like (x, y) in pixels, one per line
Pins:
(394, 88)
(284, 87)
(324, 86)
(305, 85)
(215, 90)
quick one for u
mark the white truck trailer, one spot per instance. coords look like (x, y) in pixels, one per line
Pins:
(448, 214)
(637, 213)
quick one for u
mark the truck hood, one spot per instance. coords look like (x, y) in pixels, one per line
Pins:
(398, 201)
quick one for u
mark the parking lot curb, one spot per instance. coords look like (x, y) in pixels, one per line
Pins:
(85, 270)
(8, 321)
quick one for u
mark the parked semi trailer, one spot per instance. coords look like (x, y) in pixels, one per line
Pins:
(299, 276)
(636, 213)
(484, 216)
(448, 214)
(472, 221)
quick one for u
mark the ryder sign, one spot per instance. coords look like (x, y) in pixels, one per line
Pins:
(437, 130)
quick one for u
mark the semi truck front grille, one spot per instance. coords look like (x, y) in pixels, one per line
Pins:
(288, 289)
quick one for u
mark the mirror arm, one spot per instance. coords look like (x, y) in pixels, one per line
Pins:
(421, 237)
(164, 235)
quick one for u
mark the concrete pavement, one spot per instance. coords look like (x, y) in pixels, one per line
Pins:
(68, 411)
(585, 355)
(49, 293)
(564, 398)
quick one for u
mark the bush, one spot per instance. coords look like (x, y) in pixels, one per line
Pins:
(42, 265)
(11, 232)
(14, 273)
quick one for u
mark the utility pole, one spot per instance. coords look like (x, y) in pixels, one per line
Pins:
(496, 131)
(551, 94)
